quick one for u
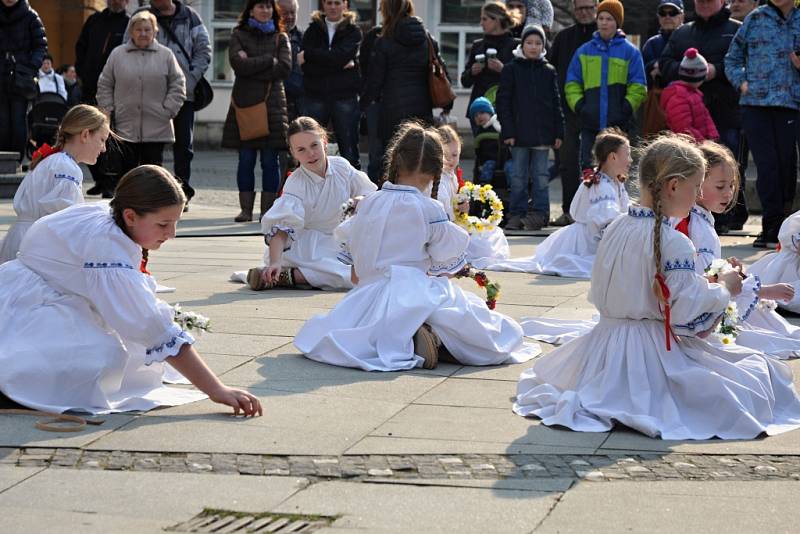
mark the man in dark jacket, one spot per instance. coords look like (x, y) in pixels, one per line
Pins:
(711, 34)
(670, 17)
(330, 74)
(179, 23)
(22, 47)
(294, 85)
(372, 112)
(101, 33)
(564, 46)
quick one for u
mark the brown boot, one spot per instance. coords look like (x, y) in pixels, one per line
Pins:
(426, 344)
(246, 201)
(267, 199)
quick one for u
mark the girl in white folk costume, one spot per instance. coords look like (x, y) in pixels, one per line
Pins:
(486, 246)
(646, 364)
(784, 265)
(298, 228)
(759, 327)
(82, 327)
(571, 250)
(54, 181)
(403, 249)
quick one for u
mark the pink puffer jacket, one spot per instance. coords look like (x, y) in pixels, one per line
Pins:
(686, 113)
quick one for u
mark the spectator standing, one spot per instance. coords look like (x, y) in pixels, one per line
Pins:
(603, 96)
(23, 45)
(330, 74)
(529, 88)
(670, 17)
(101, 33)
(372, 111)
(70, 76)
(261, 57)
(520, 7)
(539, 12)
(143, 88)
(566, 42)
(183, 32)
(682, 100)
(489, 53)
(741, 8)
(763, 64)
(49, 80)
(711, 33)
(293, 86)
(398, 70)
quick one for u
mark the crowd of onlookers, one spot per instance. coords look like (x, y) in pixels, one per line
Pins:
(731, 74)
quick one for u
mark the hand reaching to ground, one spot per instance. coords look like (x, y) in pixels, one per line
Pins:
(784, 292)
(238, 399)
(271, 273)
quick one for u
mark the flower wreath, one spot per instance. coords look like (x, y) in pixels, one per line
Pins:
(485, 208)
(492, 288)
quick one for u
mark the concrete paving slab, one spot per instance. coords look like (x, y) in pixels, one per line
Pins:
(448, 423)
(470, 392)
(222, 363)
(19, 431)
(401, 445)
(165, 498)
(528, 484)
(293, 423)
(257, 325)
(238, 344)
(396, 508)
(26, 520)
(403, 388)
(667, 507)
(509, 372)
(627, 440)
(11, 475)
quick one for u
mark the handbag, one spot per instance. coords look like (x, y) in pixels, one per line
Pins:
(252, 121)
(23, 81)
(441, 91)
(654, 120)
(203, 93)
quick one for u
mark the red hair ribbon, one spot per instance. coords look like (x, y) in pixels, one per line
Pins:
(591, 176)
(143, 266)
(778, 248)
(662, 286)
(460, 177)
(44, 151)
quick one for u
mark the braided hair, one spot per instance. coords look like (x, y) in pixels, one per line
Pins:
(415, 149)
(607, 142)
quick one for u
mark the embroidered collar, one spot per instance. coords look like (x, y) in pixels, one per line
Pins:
(641, 211)
(703, 213)
(69, 155)
(389, 186)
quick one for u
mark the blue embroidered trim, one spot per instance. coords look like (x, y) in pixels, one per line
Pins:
(60, 176)
(169, 344)
(795, 241)
(705, 251)
(439, 221)
(388, 186)
(754, 303)
(275, 229)
(702, 319)
(106, 265)
(635, 211)
(679, 265)
(452, 267)
(344, 255)
(603, 198)
(697, 210)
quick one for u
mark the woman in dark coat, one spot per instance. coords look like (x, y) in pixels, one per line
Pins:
(261, 59)
(482, 70)
(398, 71)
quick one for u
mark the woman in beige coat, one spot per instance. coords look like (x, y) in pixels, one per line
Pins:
(143, 88)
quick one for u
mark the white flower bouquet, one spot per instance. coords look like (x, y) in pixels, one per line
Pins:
(190, 320)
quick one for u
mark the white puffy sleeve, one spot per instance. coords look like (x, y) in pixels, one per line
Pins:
(342, 235)
(447, 243)
(603, 208)
(360, 184)
(695, 303)
(125, 299)
(706, 242)
(66, 192)
(789, 234)
(747, 300)
(287, 214)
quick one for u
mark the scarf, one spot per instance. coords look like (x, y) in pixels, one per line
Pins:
(266, 27)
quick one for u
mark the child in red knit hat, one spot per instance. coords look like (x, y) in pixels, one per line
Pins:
(682, 100)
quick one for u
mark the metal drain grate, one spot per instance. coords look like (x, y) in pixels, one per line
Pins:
(226, 521)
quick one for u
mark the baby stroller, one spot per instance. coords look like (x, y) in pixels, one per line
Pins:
(43, 119)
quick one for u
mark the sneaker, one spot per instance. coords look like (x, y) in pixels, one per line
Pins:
(565, 220)
(536, 221)
(722, 229)
(766, 240)
(426, 344)
(514, 223)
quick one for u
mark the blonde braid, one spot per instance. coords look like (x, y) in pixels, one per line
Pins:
(656, 192)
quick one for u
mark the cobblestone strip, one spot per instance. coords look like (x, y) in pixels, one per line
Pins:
(597, 468)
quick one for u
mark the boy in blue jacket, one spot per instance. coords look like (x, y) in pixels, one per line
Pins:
(529, 109)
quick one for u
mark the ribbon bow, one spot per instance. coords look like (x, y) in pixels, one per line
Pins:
(44, 151)
(591, 176)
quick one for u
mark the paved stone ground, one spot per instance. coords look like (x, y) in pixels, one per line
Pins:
(429, 451)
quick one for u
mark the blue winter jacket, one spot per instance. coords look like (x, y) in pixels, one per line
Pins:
(759, 54)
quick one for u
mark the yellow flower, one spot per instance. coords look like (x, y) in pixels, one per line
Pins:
(726, 340)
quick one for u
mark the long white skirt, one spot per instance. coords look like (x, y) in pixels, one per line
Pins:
(780, 267)
(10, 244)
(372, 327)
(569, 252)
(57, 354)
(622, 372)
(487, 247)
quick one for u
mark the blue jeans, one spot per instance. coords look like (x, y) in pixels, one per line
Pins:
(245, 172)
(587, 143)
(487, 171)
(344, 115)
(183, 150)
(529, 165)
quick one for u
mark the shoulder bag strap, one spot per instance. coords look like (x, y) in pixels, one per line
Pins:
(174, 38)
